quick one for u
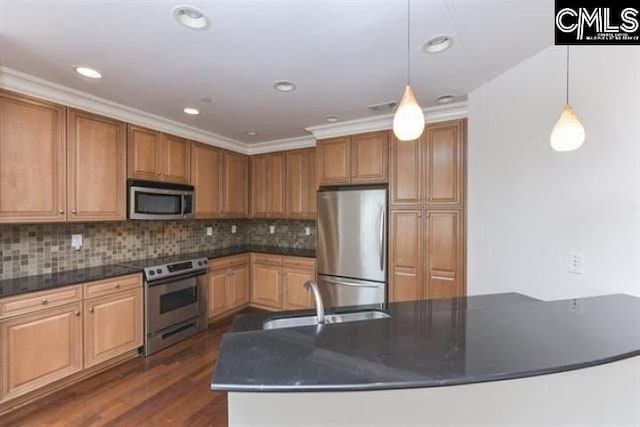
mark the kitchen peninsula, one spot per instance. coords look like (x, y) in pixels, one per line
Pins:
(553, 362)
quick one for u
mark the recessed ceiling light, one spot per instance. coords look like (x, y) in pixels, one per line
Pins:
(251, 132)
(191, 17)
(437, 44)
(284, 86)
(88, 72)
(445, 98)
(191, 111)
(331, 119)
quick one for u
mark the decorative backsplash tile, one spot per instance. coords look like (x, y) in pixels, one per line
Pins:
(46, 248)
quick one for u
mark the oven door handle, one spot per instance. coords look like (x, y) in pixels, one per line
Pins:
(175, 278)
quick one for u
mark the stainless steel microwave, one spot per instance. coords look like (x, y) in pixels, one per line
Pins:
(159, 200)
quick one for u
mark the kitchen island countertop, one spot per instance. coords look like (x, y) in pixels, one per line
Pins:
(431, 343)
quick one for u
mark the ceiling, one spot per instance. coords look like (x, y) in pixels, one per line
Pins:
(343, 55)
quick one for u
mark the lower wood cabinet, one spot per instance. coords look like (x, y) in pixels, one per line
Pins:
(266, 286)
(48, 336)
(426, 254)
(277, 282)
(228, 285)
(39, 348)
(294, 295)
(112, 326)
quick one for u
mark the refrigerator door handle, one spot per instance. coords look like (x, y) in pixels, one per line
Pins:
(348, 283)
(382, 238)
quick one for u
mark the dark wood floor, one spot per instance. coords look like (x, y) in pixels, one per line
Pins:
(168, 388)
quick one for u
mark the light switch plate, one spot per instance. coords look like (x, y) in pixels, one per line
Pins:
(234, 229)
(576, 263)
(209, 231)
(307, 231)
(272, 229)
(76, 241)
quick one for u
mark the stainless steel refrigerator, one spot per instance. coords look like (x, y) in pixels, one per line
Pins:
(352, 246)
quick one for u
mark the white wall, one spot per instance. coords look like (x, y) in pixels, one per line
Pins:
(528, 206)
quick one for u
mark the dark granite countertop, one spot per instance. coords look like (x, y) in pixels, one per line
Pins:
(432, 343)
(21, 285)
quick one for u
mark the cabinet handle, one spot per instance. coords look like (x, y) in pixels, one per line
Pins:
(117, 285)
(60, 211)
(77, 313)
(45, 301)
(90, 309)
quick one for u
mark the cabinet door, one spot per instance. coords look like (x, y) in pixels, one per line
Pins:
(176, 159)
(405, 255)
(333, 161)
(96, 174)
(206, 179)
(235, 185)
(444, 164)
(370, 157)
(144, 153)
(38, 349)
(218, 299)
(238, 286)
(276, 185)
(294, 295)
(444, 254)
(112, 326)
(259, 185)
(301, 184)
(266, 286)
(405, 186)
(32, 160)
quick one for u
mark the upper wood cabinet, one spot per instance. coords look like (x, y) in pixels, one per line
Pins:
(153, 155)
(301, 196)
(206, 177)
(32, 160)
(96, 174)
(268, 185)
(235, 191)
(429, 170)
(444, 164)
(220, 179)
(355, 159)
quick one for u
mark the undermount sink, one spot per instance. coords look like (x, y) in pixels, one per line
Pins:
(295, 321)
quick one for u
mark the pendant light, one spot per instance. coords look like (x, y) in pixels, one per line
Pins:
(568, 133)
(408, 121)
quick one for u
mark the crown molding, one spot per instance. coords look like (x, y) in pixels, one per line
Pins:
(18, 81)
(436, 114)
(282, 144)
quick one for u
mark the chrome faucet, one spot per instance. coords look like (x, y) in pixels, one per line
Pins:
(313, 287)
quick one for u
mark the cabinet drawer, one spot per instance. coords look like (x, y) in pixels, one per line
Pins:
(114, 284)
(299, 262)
(228, 261)
(35, 301)
(267, 259)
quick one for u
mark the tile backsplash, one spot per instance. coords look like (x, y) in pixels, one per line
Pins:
(46, 248)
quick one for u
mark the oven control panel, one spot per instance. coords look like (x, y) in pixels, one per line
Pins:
(158, 272)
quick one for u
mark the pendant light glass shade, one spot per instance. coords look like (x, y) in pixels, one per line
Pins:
(408, 122)
(568, 133)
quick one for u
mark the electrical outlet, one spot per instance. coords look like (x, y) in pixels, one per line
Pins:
(272, 229)
(234, 229)
(307, 231)
(209, 231)
(576, 263)
(76, 241)
(576, 306)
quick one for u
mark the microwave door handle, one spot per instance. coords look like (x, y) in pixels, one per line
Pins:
(184, 204)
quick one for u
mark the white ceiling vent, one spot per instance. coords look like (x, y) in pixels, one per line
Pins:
(385, 106)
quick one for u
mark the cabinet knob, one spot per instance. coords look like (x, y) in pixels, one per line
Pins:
(77, 313)
(45, 301)
(90, 309)
(73, 211)
(117, 285)
(60, 211)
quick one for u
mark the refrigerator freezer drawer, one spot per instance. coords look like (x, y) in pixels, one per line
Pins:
(340, 291)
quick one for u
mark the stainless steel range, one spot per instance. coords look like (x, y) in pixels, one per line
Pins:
(175, 295)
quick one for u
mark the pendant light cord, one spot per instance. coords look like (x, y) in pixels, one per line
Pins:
(567, 74)
(408, 42)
